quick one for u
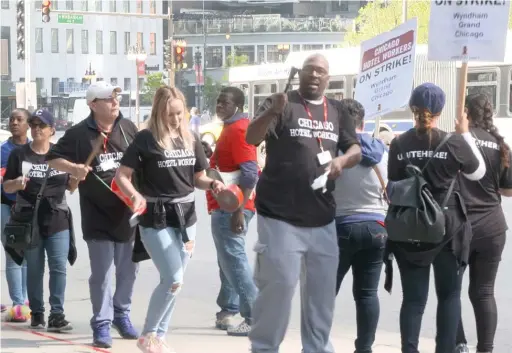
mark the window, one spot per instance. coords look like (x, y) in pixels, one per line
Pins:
(126, 42)
(335, 90)
(98, 5)
(126, 6)
(99, 42)
(5, 4)
(139, 6)
(484, 82)
(261, 92)
(113, 6)
(152, 44)
(55, 40)
(113, 42)
(354, 88)
(69, 5)
(85, 41)
(70, 45)
(140, 41)
(127, 84)
(55, 86)
(152, 7)
(213, 57)
(39, 84)
(113, 81)
(38, 4)
(510, 92)
(141, 83)
(39, 40)
(54, 5)
(339, 5)
(85, 5)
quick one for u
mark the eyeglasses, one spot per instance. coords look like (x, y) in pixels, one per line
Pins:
(310, 69)
(115, 96)
(38, 125)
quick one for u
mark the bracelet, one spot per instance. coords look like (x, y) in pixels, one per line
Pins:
(132, 197)
(212, 185)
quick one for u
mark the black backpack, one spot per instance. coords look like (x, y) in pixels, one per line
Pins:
(414, 216)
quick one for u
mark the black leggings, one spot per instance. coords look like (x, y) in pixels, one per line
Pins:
(484, 259)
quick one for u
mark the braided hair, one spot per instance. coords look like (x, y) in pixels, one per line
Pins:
(480, 113)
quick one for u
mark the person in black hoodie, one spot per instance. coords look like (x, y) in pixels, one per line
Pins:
(483, 202)
(458, 154)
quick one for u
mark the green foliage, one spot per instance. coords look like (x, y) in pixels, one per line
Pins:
(153, 82)
(376, 18)
(237, 60)
(211, 91)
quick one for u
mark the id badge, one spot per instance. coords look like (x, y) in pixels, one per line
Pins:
(324, 157)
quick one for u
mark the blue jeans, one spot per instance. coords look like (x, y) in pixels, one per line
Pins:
(16, 275)
(362, 247)
(168, 252)
(415, 284)
(57, 250)
(237, 291)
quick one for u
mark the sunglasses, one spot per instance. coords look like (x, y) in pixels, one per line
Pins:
(40, 125)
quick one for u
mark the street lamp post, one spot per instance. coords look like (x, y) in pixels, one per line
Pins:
(139, 55)
(90, 74)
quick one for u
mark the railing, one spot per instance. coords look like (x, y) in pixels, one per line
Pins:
(249, 24)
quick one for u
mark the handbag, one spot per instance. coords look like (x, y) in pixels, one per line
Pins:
(22, 229)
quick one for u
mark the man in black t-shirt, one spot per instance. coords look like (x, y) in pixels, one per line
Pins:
(105, 218)
(303, 131)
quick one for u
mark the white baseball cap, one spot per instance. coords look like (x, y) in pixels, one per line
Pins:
(101, 90)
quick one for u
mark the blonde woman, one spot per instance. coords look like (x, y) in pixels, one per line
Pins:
(170, 161)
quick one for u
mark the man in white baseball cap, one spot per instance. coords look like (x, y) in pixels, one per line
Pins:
(101, 90)
(105, 218)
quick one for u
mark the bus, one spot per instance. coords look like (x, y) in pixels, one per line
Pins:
(78, 110)
(493, 79)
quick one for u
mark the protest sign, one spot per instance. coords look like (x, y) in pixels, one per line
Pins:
(480, 26)
(386, 76)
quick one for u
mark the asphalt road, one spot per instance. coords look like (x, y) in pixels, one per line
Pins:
(196, 306)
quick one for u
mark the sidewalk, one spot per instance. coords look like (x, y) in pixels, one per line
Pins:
(17, 338)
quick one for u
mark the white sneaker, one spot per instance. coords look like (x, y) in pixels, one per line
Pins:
(150, 344)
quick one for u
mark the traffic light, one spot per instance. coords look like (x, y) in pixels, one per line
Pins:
(45, 10)
(168, 54)
(20, 29)
(179, 54)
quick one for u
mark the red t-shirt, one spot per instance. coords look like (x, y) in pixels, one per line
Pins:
(231, 151)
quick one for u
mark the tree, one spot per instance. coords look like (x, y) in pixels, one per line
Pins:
(153, 82)
(237, 60)
(211, 91)
(380, 16)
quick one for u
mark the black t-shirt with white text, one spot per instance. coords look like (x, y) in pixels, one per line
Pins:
(454, 156)
(166, 173)
(284, 188)
(104, 215)
(482, 197)
(51, 219)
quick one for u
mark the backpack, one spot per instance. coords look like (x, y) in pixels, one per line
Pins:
(414, 216)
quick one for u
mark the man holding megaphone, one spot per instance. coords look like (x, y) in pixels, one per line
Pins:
(303, 131)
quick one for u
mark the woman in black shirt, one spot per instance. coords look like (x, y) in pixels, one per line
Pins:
(54, 220)
(459, 153)
(483, 203)
(170, 161)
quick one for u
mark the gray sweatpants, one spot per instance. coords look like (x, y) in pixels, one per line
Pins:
(286, 253)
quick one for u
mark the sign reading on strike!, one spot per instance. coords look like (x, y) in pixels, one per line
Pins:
(385, 80)
(481, 26)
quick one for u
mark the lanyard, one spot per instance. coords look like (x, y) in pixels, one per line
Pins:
(308, 112)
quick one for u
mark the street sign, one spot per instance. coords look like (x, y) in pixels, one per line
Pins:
(72, 19)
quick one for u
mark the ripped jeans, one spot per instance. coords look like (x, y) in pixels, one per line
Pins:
(170, 256)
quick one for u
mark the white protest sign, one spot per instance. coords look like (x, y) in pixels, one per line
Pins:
(385, 80)
(480, 26)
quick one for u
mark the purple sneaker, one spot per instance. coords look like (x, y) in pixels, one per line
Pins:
(3, 308)
(101, 336)
(124, 326)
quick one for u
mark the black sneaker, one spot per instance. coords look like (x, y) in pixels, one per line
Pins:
(37, 321)
(58, 323)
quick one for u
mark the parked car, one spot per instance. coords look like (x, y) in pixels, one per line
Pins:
(62, 124)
